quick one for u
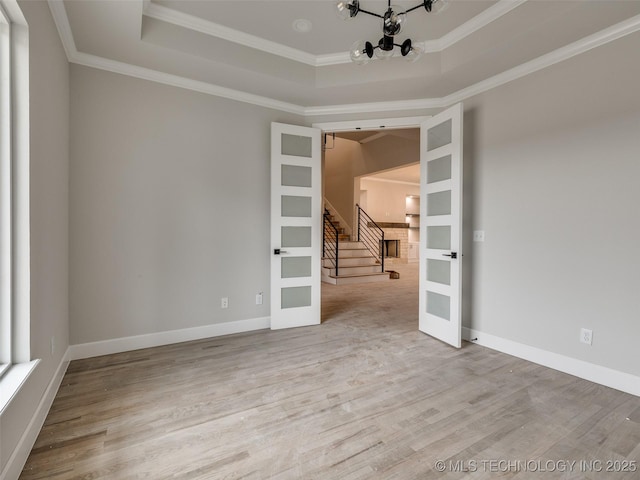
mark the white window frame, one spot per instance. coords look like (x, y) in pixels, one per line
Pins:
(5, 192)
(15, 314)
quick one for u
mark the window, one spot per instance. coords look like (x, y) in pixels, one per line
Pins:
(15, 361)
(5, 192)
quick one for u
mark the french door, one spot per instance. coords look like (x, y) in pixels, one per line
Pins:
(441, 226)
(296, 225)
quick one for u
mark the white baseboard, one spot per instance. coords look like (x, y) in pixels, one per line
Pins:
(18, 458)
(125, 344)
(608, 377)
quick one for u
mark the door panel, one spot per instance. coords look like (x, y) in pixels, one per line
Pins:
(441, 226)
(296, 221)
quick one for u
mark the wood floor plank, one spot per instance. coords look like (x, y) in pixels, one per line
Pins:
(364, 395)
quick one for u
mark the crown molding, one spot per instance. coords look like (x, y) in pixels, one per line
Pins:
(207, 27)
(64, 28)
(169, 15)
(571, 50)
(181, 82)
(175, 17)
(478, 22)
(597, 39)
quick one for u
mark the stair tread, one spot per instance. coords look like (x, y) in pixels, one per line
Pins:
(350, 258)
(357, 266)
(359, 275)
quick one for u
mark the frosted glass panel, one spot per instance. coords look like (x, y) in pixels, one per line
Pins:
(439, 203)
(439, 271)
(296, 145)
(295, 176)
(439, 237)
(296, 236)
(439, 169)
(296, 206)
(438, 305)
(439, 136)
(293, 267)
(293, 297)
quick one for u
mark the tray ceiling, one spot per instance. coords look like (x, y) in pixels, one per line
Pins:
(250, 50)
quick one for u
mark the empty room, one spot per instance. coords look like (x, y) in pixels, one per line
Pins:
(314, 239)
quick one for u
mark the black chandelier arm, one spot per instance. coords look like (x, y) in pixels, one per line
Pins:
(370, 13)
(427, 4)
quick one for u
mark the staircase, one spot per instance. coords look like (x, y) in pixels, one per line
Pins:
(345, 261)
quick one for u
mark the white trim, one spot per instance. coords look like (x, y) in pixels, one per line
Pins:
(333, 59)
(13, 380)
(371, 124)
(6, 121)
(182, 82)
(207, 27)
(197, 24)
(18, 458)
(125, 344)
(583, 45)
(416, 104)
(608, 377)
(590, 42)
(481, 20)
(61, 20)
(74, 56)
(597, 39)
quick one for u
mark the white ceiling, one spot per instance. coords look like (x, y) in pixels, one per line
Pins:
(249, 50)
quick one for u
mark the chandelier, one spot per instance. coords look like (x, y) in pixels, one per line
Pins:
(392, 22)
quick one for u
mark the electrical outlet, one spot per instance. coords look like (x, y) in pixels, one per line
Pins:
(586, 336)
(224, 302)
(478, 235)
(259, 299)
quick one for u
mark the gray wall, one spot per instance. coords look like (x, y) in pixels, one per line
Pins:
(49, 145)
(552, 163)
(169, 207)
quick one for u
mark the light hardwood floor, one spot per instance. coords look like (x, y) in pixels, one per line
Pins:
(364, 395)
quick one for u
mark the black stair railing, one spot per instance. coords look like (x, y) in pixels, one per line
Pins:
(371, 236)
(330, 245)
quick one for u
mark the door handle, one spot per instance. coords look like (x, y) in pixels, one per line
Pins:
(277, 251)
(452, 254)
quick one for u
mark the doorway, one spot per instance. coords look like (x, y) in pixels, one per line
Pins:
(294, 194)
(378, 170)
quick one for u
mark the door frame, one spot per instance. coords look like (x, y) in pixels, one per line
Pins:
(371, 124)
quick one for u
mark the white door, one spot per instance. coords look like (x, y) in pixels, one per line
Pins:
(441, 226)
(296, 225)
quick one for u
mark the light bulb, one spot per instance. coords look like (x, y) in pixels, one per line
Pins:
(347, 9)
(414, 54)
(384, 54)
(393, 20)
(438, 6)
(361, 52)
